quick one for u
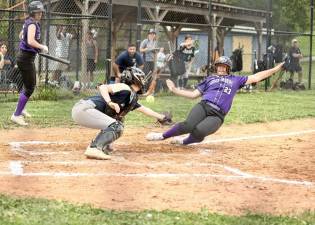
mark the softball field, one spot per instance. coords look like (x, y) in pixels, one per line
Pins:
(261, 168)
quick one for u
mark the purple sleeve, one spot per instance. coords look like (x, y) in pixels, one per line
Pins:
(202, 86)
(241, 81)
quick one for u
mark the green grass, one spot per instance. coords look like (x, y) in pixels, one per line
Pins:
(18, 211)
(247, 108)
(304, 43)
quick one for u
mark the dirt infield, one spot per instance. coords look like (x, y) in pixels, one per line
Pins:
(266, 168)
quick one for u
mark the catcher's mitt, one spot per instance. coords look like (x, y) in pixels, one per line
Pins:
(167, 120)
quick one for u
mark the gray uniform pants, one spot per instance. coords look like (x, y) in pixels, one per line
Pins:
(202, 121)
(85, 114)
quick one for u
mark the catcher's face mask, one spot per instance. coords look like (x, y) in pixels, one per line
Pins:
(135, 76)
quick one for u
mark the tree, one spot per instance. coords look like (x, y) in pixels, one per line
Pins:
(290, 15)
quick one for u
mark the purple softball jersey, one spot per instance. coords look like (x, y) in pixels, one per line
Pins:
(220, 90)
(23, 44)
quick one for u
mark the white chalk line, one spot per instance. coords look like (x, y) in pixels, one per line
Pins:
(18, 144)
(293, 133)
(241, 175)
(157, 175)
(16, 168)
(16, 147)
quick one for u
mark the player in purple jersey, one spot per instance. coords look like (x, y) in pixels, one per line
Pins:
(217, 92)
(29, 47)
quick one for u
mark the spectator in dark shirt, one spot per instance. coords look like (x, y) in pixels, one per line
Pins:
(10, 72)
(127, 59)
(295, 56)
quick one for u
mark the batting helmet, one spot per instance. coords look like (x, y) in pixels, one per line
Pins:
(224, 60)
(134, 75)
(35, 6)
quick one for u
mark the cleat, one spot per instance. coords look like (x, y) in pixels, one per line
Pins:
(18, 120)
(26, 114)
(109, 148)
(154, 136)
(177, 141)
(95, 153)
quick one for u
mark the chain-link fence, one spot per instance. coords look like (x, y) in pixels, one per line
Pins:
(91, 34)
(73, 30)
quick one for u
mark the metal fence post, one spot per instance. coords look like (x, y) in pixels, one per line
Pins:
(47, 39)
(77, 52)
(311, 45)
(11, 28)
(268, 41)
(109, 43)
(209, 35)
(139, 25)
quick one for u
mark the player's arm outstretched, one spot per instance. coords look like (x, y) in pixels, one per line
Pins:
(162, 118)
(149, 112)
(188, 94)
(264, 74)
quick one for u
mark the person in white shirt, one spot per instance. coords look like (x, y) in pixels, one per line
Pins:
(62, 51)
(188, 50)
(160, 64)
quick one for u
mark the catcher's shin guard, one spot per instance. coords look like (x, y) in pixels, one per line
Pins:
(108, 135)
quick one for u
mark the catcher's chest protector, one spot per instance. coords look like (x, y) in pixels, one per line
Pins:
(132, 103)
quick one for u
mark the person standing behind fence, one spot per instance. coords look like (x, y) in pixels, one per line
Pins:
(62, 51)
(92, 56)
(188, 51)
(148, 48)
(160, 65)
(2, 60)
(295, 56)
(9, 67)
(126, 59)
(29, 47)
(156, 84)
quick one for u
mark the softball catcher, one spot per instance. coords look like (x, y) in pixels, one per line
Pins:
(107, 110)
(217, 92)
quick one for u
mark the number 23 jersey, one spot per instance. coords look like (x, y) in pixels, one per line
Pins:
(220, 90)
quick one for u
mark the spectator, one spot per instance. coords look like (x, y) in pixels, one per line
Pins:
(62, 51)
(295, 56)
(188, 50)
(156, 84)
(8, 66)
(91, 55)
(160, 61)
(1, 59)
(126, 59)
(148, 49)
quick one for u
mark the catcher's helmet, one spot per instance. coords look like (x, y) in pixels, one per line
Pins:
(35, 6)
(224, 60)
(134, 75)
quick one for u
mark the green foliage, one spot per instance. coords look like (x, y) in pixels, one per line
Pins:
(290, 15)
(18, 211)
(48, 93)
